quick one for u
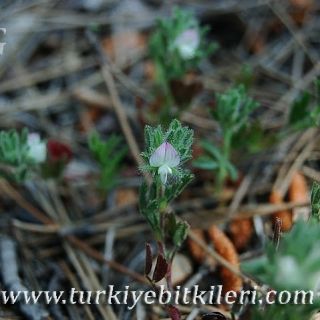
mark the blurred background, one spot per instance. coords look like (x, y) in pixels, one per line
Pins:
(71, 68)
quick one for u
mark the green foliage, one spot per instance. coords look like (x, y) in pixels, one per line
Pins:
(154, 199)
(179, 137)
(215, 160)
(150, 207)
(253, 138)
(293, 266)
(109, 154)
(305, 111)
(14, 157)
(169, 63)
(178, 230)
(232, 113)
(315, 201)
(233, 109)
(246, 76)
(283, 312)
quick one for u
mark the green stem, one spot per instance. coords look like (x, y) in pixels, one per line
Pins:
(163, 80)
(227, 144)
(222, 173)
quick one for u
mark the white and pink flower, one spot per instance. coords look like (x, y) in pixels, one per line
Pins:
(187, 43)
(165, 157)
(37, 149)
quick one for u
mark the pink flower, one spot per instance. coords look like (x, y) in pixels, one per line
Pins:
(165, 157)
(187, 43)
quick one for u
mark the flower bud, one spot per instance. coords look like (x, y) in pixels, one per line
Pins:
(37, 149)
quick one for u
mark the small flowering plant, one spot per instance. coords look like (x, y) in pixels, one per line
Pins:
(293, 266)
(20, 152)
(232, 113)
(165, 154)
(178, 45)
(167, 151)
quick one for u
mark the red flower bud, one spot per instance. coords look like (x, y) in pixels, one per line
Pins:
(58, 151)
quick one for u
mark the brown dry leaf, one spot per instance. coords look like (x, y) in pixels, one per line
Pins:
(126, 197)
(88, 118)
(300, 9)
(302, 4)
(150, 70)
(196, 251)
(256, 42)
(285, 216)
(224, 247)
(241, 231)
(122, 46)
(298, 189)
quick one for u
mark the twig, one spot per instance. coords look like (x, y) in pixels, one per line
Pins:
(301, 84)
(9, 191)
(117, 105)
(217, 257)
(10, 276)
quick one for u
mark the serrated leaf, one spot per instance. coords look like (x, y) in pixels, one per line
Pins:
(180, 233)
(171, 224)
(173, 190)
(233, 109)
(315, 200)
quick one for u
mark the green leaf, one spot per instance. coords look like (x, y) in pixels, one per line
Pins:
(315, 200)
(253, 138)
(212, 150)
(205, 163)
(14, 157)
(233, 109)
(109, 154)
(232, 171)
(180, 233)
(174, 189)
(299, 110)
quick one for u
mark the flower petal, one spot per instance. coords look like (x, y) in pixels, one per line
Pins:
(165, 154)
(37, 149)
(163, 171)
(157, 159)
(172, 158)
(187, 43)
